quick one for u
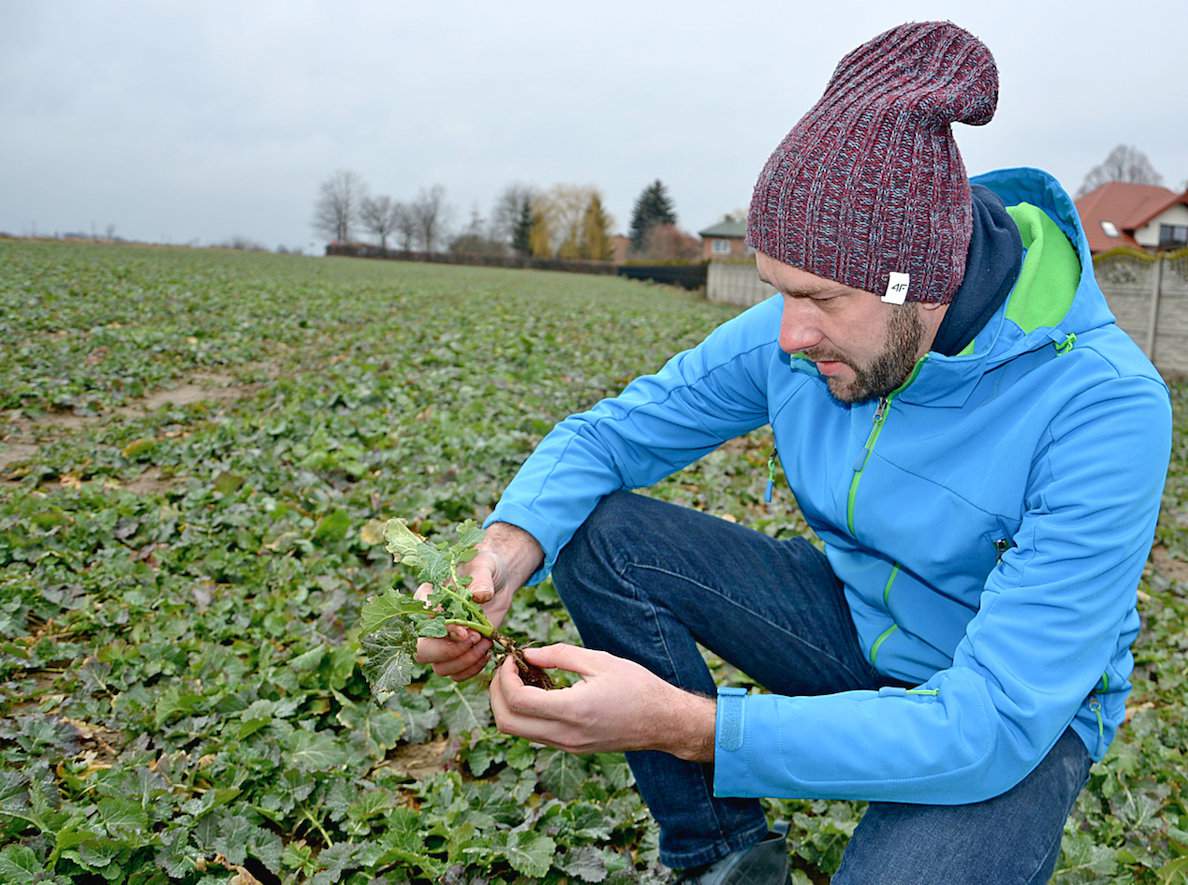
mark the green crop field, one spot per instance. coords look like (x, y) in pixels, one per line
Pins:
(192, 448)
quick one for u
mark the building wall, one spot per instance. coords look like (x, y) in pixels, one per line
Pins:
(738, 248)
(1148, 234)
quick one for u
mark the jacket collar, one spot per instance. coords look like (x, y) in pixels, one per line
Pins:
(948, 381)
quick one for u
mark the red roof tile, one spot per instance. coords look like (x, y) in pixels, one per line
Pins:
(1128, 206)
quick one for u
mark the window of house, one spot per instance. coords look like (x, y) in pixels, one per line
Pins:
(1110, 230)
(1173, 235)
(721, 247)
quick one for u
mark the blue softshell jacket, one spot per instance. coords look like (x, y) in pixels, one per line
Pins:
(989, 520)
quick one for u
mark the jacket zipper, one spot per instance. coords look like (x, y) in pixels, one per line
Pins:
(771, 471)
(882, 637)
(880, 418)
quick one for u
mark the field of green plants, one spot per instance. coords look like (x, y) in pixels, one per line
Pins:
(195, 448)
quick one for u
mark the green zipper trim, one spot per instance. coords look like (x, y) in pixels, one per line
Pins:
(1105, 681)
(1095, 706)
(1067, 344)
(890, 581)
(873, 438)
(878, 643)
(928, 691)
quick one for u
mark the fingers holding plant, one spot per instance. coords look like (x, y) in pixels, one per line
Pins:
(444, 622)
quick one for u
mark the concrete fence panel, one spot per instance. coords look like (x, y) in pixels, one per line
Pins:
(735, 284)
(1149, 298)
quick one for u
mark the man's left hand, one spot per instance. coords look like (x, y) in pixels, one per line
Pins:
(619, 705)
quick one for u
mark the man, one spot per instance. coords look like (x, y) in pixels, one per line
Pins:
(979, 447)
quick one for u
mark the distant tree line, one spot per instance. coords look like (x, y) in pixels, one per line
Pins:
(565, 221)
(1124, 163)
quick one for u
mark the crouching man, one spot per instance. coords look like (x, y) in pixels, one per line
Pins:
(980, 448)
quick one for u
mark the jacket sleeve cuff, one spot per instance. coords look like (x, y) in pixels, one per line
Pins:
(525, 519)
(732, 775)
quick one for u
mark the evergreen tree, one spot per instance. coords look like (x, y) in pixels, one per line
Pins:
(595, 236)
(653, 207)
(522, 231)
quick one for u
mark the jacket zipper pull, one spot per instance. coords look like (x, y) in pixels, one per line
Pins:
(1095, 706)
(864, 452)
(771, 469)
(881, 410)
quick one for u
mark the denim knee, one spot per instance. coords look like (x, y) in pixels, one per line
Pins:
(592, 542)
(586, 562)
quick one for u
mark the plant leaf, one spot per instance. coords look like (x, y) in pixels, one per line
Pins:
(314, 750)
(388, 658)
(389, 605)
(530, 853)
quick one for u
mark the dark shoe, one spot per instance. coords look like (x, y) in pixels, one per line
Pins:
(764, 863)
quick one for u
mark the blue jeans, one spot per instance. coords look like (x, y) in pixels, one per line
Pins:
(648, 580)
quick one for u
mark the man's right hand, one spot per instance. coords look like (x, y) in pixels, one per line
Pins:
(507, 557)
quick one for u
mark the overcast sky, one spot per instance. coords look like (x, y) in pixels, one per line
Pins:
(192, 121)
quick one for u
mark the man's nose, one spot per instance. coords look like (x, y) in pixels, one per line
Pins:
(799, 329)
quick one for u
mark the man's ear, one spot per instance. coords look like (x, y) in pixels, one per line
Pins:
(931, 305)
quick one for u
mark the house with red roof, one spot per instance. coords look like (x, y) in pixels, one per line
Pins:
(1141, 216)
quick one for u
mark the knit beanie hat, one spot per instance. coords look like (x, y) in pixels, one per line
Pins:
(868, 189)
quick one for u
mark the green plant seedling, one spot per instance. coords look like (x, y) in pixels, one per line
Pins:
(392, 622)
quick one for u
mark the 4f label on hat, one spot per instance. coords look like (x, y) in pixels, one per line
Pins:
(897, 288)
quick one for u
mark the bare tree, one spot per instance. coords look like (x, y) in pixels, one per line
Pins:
(378, 216)
(667, 242)
(406, 225)
(337, 208)
(1124, 163)
(475, 238)
(508, 211)
(431, 213)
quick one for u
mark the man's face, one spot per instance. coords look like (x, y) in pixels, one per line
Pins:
(863, 346)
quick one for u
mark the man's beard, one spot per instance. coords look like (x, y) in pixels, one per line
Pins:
(891, 367)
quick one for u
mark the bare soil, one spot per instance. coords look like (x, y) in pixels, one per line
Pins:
(209, 387)
(21, 437)
(12, 452)
(153, 482)
(419, 760)
(1172, 568)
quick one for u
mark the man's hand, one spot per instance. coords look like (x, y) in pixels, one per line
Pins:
(619, 705)
(507, 556)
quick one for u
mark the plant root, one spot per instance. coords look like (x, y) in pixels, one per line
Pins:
(530, 674)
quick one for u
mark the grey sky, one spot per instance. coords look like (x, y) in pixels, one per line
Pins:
(198, 121)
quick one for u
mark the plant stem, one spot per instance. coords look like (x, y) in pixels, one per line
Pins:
(485, 629)
(313, 820)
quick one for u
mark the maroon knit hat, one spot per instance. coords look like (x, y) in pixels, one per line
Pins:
(870, 182)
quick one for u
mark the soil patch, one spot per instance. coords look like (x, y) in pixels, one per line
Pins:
(1172, 568)
(210, 388)
(152, 482)
(12, 452)
(418, 760)
(21, 439)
